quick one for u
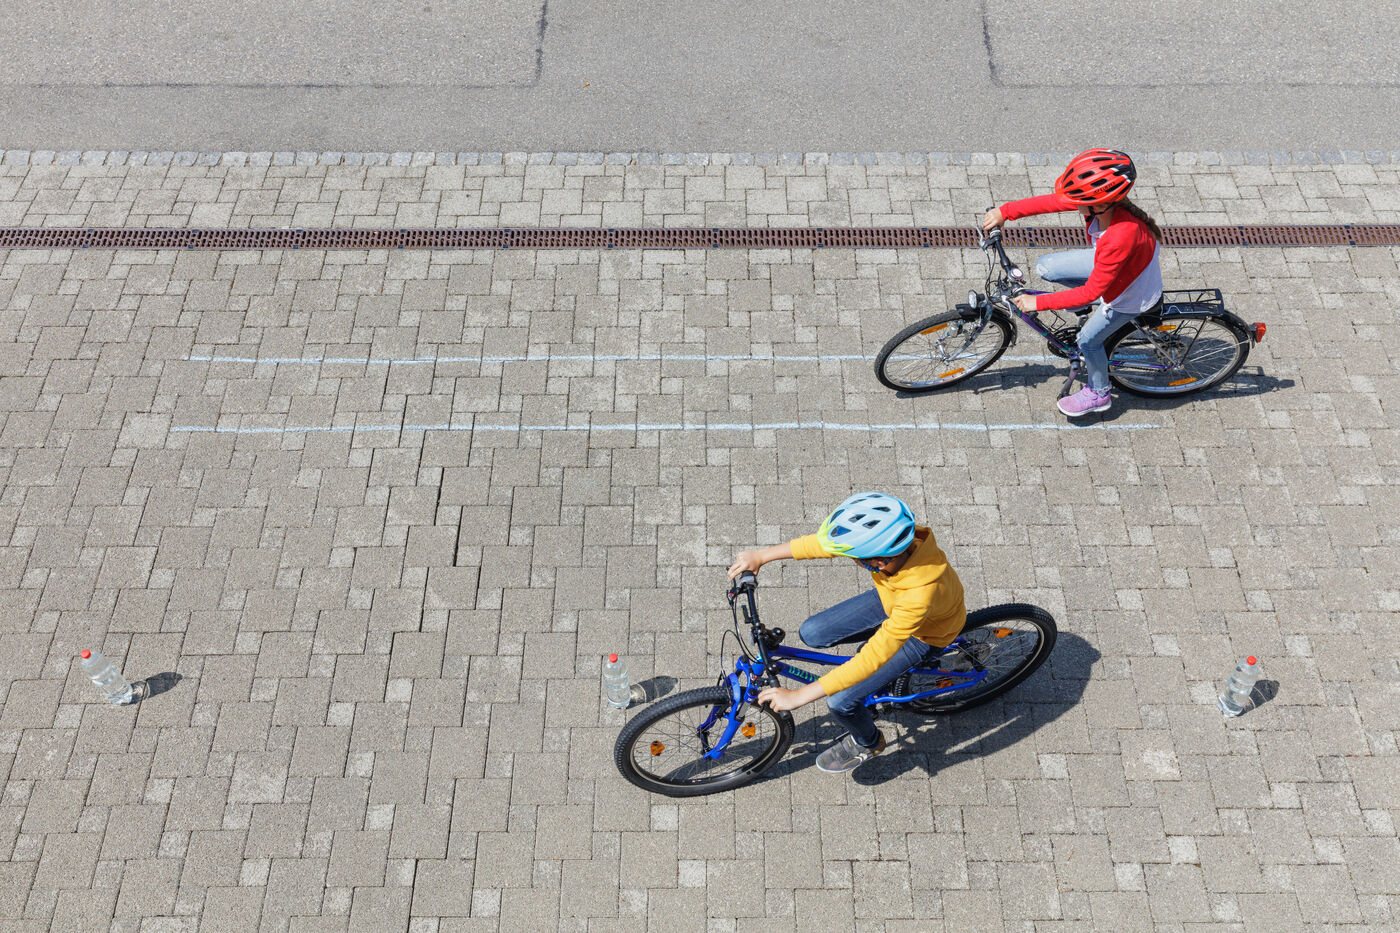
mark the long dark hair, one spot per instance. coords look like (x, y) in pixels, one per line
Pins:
(1142, 215)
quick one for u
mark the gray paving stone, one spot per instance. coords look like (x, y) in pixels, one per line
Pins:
(389, 641)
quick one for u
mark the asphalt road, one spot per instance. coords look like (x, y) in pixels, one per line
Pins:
(727, 75)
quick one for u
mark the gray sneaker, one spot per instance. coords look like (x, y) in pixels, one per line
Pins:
(847, 754)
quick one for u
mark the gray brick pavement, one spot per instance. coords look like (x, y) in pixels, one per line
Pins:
(389, 638)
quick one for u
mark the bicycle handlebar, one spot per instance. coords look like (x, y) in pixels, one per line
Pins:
(745, 582)
(992, 239)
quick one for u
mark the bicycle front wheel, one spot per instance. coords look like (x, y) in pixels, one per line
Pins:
(942, 350)
(663, 749)
(1185, 353)
(1009, 641)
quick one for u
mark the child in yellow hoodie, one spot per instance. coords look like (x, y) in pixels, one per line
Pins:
(915, 610)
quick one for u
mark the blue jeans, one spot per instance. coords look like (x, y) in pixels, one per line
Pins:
(1072, 269)
(855, 620)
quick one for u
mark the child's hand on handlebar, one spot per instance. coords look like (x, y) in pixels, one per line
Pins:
(747, 560)
(992, 219)
(781, 698)
(1025, 302)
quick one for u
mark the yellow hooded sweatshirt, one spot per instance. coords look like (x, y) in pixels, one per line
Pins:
(924, 600)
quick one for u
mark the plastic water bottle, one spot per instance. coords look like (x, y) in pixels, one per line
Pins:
(616, 683)
(1235, 698)
(116, 688)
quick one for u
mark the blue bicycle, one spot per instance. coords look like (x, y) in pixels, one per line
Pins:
(718, 738)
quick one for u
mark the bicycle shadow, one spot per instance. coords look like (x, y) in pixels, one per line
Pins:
(1018, 376)
(928, 742)
(1247, 382)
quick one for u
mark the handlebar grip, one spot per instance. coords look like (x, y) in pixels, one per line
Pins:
(746, 580)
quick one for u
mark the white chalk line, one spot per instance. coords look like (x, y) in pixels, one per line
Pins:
(574, 358)
(667, 427)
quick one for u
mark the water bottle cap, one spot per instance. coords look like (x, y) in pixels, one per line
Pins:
(85, 654)
(612, 659)
(1251, 660)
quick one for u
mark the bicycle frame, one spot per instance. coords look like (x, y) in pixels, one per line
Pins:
(1000, 291)
(752, 674)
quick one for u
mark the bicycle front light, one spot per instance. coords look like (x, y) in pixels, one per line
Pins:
(973, 299)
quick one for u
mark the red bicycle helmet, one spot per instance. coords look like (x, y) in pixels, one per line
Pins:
(1097, 176)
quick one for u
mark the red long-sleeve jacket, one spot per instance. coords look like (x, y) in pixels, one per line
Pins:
(1127, 274)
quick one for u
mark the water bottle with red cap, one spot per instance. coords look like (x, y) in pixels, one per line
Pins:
(616, 684)
(116, 688)
(1235, 698)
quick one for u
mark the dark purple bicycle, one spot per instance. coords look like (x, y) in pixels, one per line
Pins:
(1186, 344)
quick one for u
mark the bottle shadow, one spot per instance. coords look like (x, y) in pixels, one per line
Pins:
(932, 741)
(1264, 691)
(654, 688)
(156, 684)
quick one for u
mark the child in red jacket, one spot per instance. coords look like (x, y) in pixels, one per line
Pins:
(1119, 272)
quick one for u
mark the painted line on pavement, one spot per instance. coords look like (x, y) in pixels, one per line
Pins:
(667, 427)
(597, 358)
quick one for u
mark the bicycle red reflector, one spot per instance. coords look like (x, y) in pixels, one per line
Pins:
(1002, 632)
(748, 729)
(1259, 329)
(657, 748)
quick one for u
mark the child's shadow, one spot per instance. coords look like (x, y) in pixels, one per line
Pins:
(928, 741)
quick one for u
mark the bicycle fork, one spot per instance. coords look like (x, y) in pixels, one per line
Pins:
(739, 696)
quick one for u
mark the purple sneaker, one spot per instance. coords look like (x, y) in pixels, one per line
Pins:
(1084, 401)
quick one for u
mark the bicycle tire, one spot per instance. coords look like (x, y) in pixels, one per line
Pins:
(747, 757)
(992, 619)
(915, 347)
(1206, 364)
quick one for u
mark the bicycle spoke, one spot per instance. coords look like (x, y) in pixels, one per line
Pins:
(940, 351)
(1183, 355)
(1007, 647)
(928, 361)
(681, 749)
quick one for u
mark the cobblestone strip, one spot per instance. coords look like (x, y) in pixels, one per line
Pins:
(419, 191)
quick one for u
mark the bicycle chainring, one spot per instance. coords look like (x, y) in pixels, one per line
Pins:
(1069, 336)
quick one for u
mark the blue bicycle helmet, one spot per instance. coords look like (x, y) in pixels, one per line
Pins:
(868, 524)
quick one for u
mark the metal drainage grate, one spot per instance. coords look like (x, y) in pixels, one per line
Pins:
(675, 237)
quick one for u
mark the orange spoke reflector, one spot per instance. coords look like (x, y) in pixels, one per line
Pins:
(953, 372)
(748, 729)
(1168, 328)
(657, 748)
(933, 329)
(1002, 632)
(1182, 382)
(943, 682)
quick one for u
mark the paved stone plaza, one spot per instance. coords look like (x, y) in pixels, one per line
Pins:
(384, 513)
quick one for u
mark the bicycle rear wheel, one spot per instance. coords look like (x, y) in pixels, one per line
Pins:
(1190, 353)
(1010, 641)
(662, 750)
(942, 350)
